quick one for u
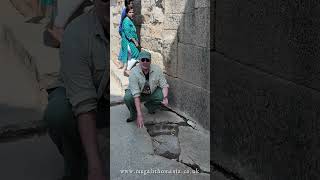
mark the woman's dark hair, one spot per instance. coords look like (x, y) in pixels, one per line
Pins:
(127, 2)
(128, 9)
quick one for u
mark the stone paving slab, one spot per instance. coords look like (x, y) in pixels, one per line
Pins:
(35, 158)
(195, 147)
(161, 117)
(131, 149)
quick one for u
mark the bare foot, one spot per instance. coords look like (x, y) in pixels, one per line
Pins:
(118, 64)
(56, 32)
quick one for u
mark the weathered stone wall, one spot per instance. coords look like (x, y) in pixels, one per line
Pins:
(177, 35)
(266, 89)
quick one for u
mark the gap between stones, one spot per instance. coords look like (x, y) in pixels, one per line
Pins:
(194, 167)
(227, 173)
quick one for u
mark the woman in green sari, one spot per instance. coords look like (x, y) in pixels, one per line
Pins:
(129, 40)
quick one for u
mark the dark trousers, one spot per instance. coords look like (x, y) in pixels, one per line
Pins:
(152, 102)
(63, 130)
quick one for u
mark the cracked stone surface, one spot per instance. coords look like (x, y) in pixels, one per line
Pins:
(162, 117)
(195, 147)
(131, 149)
(167, 146)
(163, 129)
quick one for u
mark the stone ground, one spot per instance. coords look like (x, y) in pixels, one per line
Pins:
(133, 150)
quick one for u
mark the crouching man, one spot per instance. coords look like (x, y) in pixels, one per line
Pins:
(146, 84)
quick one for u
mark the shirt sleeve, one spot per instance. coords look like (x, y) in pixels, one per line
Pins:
(75, 70)
(162, 80)
(134, 85)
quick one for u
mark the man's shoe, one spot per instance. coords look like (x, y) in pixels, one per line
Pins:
(130, 120)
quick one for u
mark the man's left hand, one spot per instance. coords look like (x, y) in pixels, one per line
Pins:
(165, 101)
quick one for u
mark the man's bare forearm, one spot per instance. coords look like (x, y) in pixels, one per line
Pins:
(88, 134)
(165, 92)
(137, 103)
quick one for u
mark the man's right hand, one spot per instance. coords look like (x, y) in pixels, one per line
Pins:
(140, 123)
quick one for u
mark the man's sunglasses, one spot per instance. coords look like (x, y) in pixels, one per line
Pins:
(145, 59)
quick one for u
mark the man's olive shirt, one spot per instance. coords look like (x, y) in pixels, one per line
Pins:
(137, 79)
(84, 70)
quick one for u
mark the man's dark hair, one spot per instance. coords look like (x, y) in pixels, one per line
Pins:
(127, 2)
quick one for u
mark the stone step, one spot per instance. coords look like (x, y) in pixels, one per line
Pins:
(116, 92)
(121, 80)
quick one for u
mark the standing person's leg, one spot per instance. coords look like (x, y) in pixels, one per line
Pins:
(35, 5)
(126, 72)
(153, 101)
(63, 131)
(37, 14)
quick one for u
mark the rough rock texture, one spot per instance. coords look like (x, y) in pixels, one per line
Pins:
(132, 155)
(266, 89)
(166, 146)
(195, 147)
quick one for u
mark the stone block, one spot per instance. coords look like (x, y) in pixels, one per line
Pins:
(279, 37)
(179, 6)
(170, 51)
(166, 146)
(183, 97)
(131, 148)
(151, 30)
(158, 15)
(194, 65)
(157, 59)
(158, 3)
(172, 21)
(265, 127)
(201, 3)
(212, 26)
(195, 147)
(138, 20)
(145, 3)
(194, 28)
(153, 44)
(162, 117)
(161, 129)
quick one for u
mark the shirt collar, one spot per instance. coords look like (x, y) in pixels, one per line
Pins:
(150, 71)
